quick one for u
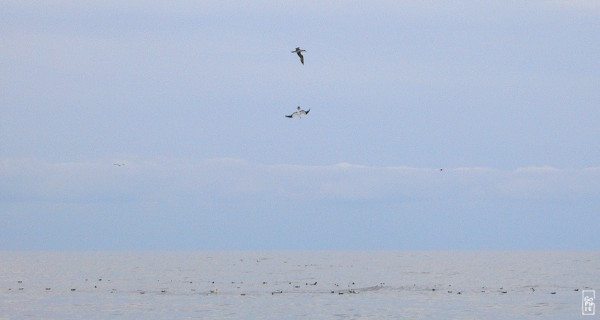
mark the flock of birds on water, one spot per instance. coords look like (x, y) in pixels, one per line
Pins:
(350, 288)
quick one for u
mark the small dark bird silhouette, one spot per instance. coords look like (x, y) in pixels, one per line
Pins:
(299, 51)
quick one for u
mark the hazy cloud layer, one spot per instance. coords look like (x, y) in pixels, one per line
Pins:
(90, 181)
(165, 203)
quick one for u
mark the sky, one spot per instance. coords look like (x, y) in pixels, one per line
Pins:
(434, 125)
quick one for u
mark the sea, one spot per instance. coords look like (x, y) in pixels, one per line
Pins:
(298, 285)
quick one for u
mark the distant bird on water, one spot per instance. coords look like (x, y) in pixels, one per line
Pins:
(299, 51)
(299, 113)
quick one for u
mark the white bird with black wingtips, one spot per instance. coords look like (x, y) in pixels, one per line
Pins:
(299, 113)
(299, 51)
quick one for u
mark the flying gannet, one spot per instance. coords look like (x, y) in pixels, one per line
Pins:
(299, 113)
(299, 51)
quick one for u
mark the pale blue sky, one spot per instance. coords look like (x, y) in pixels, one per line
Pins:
(191, 96)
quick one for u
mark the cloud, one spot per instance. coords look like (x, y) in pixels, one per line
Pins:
(226, 179)
(230, 203)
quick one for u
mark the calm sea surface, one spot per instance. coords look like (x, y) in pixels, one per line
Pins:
(302, 285)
